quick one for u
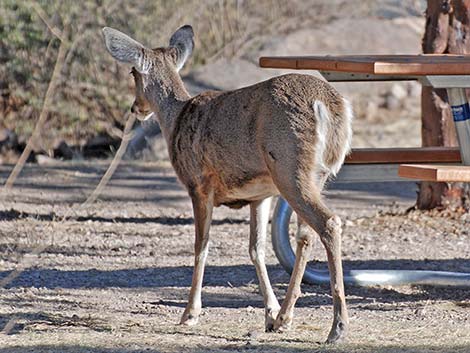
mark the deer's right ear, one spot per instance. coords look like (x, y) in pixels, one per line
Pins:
(125, 49)
(183, 41)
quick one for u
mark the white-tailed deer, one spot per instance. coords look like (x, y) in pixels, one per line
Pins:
(285, 136)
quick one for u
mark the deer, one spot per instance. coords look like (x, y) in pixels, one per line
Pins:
(284, 136)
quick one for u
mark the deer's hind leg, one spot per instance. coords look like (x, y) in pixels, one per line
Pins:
(302, 189)
(259, 217)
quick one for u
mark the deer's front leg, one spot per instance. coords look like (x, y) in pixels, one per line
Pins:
(202, 208)
(259, 217)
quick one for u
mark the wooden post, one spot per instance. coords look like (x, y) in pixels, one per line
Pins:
(447, 31)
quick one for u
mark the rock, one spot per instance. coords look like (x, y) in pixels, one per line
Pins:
(398, 91)
(63, 150)
(394, 99)
(99, 146)
(372, 109)
(414, 89)
(3, 135)
(250, 309)
(392, 103)
(45, 160)
(8, 139)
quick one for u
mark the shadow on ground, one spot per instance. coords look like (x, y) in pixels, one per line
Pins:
(150, 182)
(247, 347)
(19, 321)
(12, 215)
(235, 276)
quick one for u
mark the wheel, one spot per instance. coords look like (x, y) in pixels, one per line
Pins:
(286, 256)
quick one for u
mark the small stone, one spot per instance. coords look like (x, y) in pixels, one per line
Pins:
(8, 138)
(420, 311)
(392, 102)
(250, 309)
(372, 109)
(62, 150)
(45, 160)
(398, 91)
(414, 89)
(253, 334)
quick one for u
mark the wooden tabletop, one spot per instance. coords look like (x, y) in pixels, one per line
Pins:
(446, 173)
(419, 65)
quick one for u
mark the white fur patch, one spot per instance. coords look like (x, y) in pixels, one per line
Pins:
(148, 116)
(144, 64)
(322, 122)
(322, 115)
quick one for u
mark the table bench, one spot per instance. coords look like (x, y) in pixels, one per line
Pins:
(451, 72)
(386, 164)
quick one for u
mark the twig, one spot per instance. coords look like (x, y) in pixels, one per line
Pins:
(10, 324)
(42, 117)
(126, 136)
(43, 16)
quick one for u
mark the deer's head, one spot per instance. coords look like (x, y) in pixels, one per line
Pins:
(154, 70)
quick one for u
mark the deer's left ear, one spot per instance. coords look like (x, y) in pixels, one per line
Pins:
(183, 41)
(124, 48)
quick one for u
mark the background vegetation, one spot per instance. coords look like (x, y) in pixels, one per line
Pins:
(86, 104)
(94, 93)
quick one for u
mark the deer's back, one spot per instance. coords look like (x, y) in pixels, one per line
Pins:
(227, 135)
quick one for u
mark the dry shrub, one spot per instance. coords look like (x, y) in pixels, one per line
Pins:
(86, 104)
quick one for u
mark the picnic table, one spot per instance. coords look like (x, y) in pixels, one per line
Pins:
(451, 72)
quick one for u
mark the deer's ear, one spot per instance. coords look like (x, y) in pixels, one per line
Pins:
(183, 41)
(124, 48)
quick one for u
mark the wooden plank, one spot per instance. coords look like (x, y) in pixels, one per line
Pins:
(354, 173)
(443, 173)
(278, 62)
(338, 76)
(418, 65)
(358, 173)
(404, 155)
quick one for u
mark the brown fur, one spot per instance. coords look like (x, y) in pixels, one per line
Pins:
(285, 135)
(228, 139)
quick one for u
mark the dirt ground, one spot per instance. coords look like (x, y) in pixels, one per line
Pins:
(114, 276)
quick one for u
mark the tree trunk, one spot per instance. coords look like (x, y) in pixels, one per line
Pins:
(447, 31)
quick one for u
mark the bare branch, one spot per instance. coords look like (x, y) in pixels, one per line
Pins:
(42, 117)
(43, 16)
(115, 162)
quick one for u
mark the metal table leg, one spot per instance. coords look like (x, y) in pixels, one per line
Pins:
(461, 113)
(286, 256)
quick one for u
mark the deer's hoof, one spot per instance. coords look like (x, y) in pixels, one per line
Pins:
(338, 332)
(283, 323)
(189, 319)
(270, 318)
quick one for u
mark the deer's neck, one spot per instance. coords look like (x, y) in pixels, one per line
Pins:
(169, 98)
